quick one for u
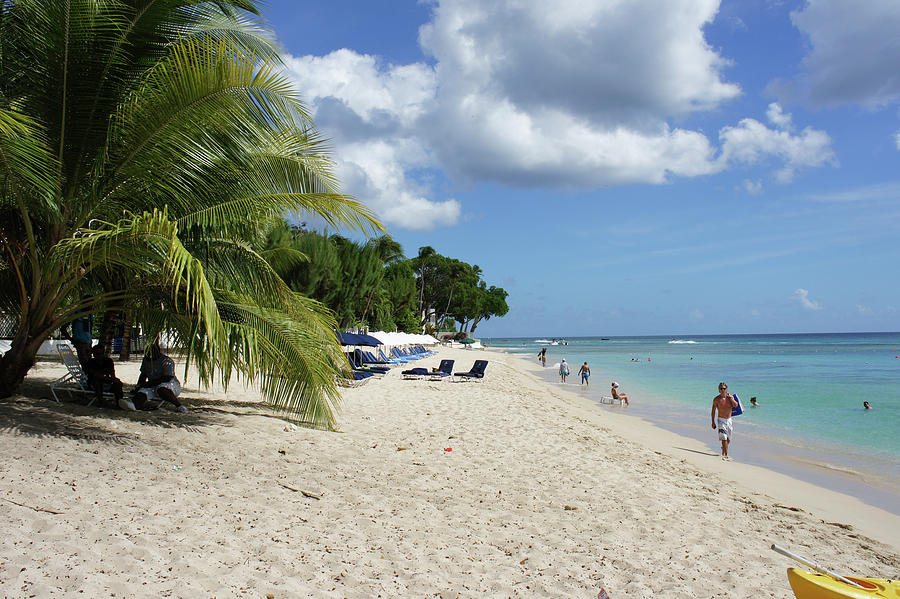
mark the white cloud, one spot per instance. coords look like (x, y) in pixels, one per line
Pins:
(864, 310)
(867, 193)
(753, 187)
(751, 142)
(802, 296)
(897, 139)
(576, 97)
(370, 111)
(696, 315)
(592, 111)
(778, 117)
(853, 57)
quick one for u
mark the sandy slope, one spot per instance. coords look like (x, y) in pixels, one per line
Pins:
(542, 494)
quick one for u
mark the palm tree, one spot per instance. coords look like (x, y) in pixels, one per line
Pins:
(158, 140)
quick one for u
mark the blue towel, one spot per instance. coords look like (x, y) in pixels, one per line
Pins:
(739, 409)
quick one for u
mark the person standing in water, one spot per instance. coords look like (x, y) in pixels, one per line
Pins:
(585, 372)
(722, 405)
(542, 356)
(563, 370)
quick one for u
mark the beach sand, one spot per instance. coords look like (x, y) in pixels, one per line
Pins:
(543, 494)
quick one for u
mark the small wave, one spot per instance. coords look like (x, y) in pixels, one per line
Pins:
(542, 341)
(682, 341)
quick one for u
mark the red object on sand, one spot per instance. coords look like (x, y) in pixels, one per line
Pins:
(448, 449)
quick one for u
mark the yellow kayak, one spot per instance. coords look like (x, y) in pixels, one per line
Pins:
(812, 585)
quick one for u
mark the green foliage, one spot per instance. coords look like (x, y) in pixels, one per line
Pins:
(371, 285)
(449, 288)
(146, 149)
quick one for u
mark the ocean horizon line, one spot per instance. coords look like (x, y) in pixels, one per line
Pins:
(657, 335)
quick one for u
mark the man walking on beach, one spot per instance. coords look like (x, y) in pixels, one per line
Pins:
(585, 372)
(563, 370)
(720, 414)
(542, 356)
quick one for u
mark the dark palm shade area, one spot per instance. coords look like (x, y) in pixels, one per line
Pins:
(147, 148)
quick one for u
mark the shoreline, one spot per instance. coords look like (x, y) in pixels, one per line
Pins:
(877, 521)
(860, 478)
(505, 487)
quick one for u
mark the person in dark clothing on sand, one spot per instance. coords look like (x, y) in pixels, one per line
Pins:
(157, 381)
(101, 373)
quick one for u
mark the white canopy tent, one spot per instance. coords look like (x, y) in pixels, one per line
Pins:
(403, 338)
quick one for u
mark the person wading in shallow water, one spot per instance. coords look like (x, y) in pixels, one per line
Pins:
(722, 405)
(563, 370)
(585, 372)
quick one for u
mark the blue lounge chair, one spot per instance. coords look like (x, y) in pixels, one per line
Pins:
(403, 356)
(390, 360)
(415, 373)
(476, 373)
(355, 378)
(444, 371)
(357, 367)
(363, 359)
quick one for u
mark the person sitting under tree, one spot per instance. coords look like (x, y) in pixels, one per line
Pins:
(101, 374)
(157, 381)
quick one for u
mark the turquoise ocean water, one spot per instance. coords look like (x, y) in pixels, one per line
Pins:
(810, 424)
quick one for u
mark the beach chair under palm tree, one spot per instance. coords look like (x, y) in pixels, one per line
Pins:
(75, 380)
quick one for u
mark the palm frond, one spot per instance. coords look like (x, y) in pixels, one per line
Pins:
(27, 165)
(147, 243)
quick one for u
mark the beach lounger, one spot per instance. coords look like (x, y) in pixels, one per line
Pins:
(405, 357)
(475, 374)
(75, 380)
(415, 373)
(611, 400)
(357, 366)
(390, 360)
(365, 360)
(356, 379)
(444, 371)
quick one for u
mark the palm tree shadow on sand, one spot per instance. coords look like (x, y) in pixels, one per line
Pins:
(33, 412)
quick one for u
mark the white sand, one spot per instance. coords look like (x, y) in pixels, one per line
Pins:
(543, 494)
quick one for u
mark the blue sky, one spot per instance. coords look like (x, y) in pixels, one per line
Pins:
(625, 168)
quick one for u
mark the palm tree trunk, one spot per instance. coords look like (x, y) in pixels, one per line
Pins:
(128, 322)
(108, 329)
(16, 362)
(447, 309)
(368, 303)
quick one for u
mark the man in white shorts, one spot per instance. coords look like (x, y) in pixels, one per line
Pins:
(157, 381)
(720, 414)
